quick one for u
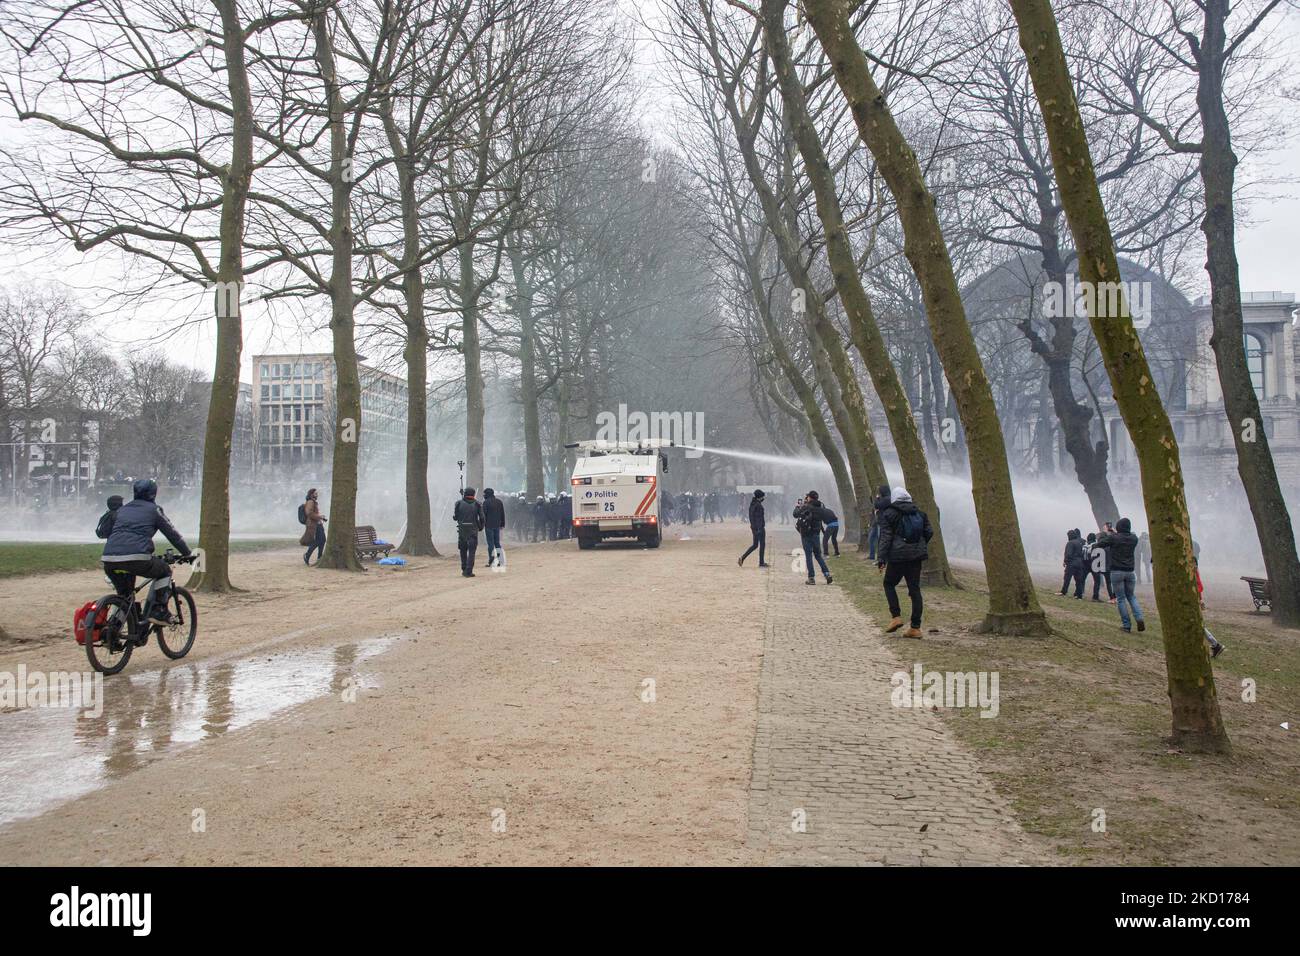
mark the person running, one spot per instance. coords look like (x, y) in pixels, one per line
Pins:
(809, 520)
(468, 515)
(905, 534)
(129, 550)
(494, 522)
(1121, 547)
(758, 529)
(878, 506)
(1075, 563)
(313, 536)
(831, 536)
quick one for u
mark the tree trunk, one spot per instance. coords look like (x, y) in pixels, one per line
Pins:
(1196, 720)
(1013, 605)
(857, 305)
(223, 403)
(419, 529)
(1254, 459)
(340, 548)
(474, 407)
(534, 475)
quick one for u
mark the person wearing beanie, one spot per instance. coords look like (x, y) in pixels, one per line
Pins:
(494, 520)
(757, 528)
(468, 515)
(1121, 545)
(905, 533)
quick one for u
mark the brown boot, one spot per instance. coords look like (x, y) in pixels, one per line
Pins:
(894, 625)
(913, 632)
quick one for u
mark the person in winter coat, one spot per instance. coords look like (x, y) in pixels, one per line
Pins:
(313, 536)
(1075, 563)
(810, 520)
(758, 529)
(494, 521)
(878, 506)
(105, 526)
(1121, 546)
(905, 533)
(468, 515)
(129, 550)
(831, 535)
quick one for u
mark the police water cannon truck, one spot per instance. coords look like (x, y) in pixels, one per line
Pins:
(616, 489)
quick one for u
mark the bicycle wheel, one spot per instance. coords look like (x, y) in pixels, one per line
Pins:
(176, 639)
(110, 645)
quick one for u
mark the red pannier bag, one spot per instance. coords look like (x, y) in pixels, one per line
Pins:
(81, 620)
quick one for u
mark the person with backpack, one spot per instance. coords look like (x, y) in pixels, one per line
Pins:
(105, 526)
(905, 534)
(468, 515)
(1075, 563)
(809, 520)
(128, 552)
(878, 506)
(494, 519)
(1121, 548)
(831, 535)
(758, 529)
(313, 536)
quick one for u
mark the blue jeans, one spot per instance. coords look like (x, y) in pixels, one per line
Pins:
(493, 541)
(873, 538)
(1124, 582)
(812, 548)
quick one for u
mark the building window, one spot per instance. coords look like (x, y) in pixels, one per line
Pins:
(266, 371)
(266, 393)
(1255, 362)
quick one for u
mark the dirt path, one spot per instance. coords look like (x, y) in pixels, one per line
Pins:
(410, 716)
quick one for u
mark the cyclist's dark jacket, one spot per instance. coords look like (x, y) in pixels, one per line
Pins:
(136, 523)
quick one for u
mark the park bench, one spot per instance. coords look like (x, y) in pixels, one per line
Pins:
(1259, 592)
(367, 544)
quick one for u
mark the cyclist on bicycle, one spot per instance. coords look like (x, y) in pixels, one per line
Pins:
(129, 550)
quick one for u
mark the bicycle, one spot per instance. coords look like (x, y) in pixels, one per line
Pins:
(119, 627)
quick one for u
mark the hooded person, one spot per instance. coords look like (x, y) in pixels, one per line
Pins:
(1121, 546)
(128, 552)
(1075, 563)
(905, 534)
(758, 529)
(105, 526)
(468, 515)
(494, 521)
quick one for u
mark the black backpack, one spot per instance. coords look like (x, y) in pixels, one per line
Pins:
(911, 526)
(302, 513)
(804, 524)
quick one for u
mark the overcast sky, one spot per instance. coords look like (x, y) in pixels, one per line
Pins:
(1267, 250)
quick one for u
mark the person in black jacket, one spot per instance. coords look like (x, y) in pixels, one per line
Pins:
(878, 506)
(129, 550)
(831, 534)
(1075, 563)
(1121, 545)
(105, 526)
(905, 534)
(468, 515)
(494, 521)
(757, 528)
(809, 520)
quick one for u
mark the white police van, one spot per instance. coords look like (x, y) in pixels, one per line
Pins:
(615, 488)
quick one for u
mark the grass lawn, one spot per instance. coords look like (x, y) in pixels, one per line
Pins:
(34, 557)
(1084, 726)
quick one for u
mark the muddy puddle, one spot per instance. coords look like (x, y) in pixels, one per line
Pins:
(51, 755)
